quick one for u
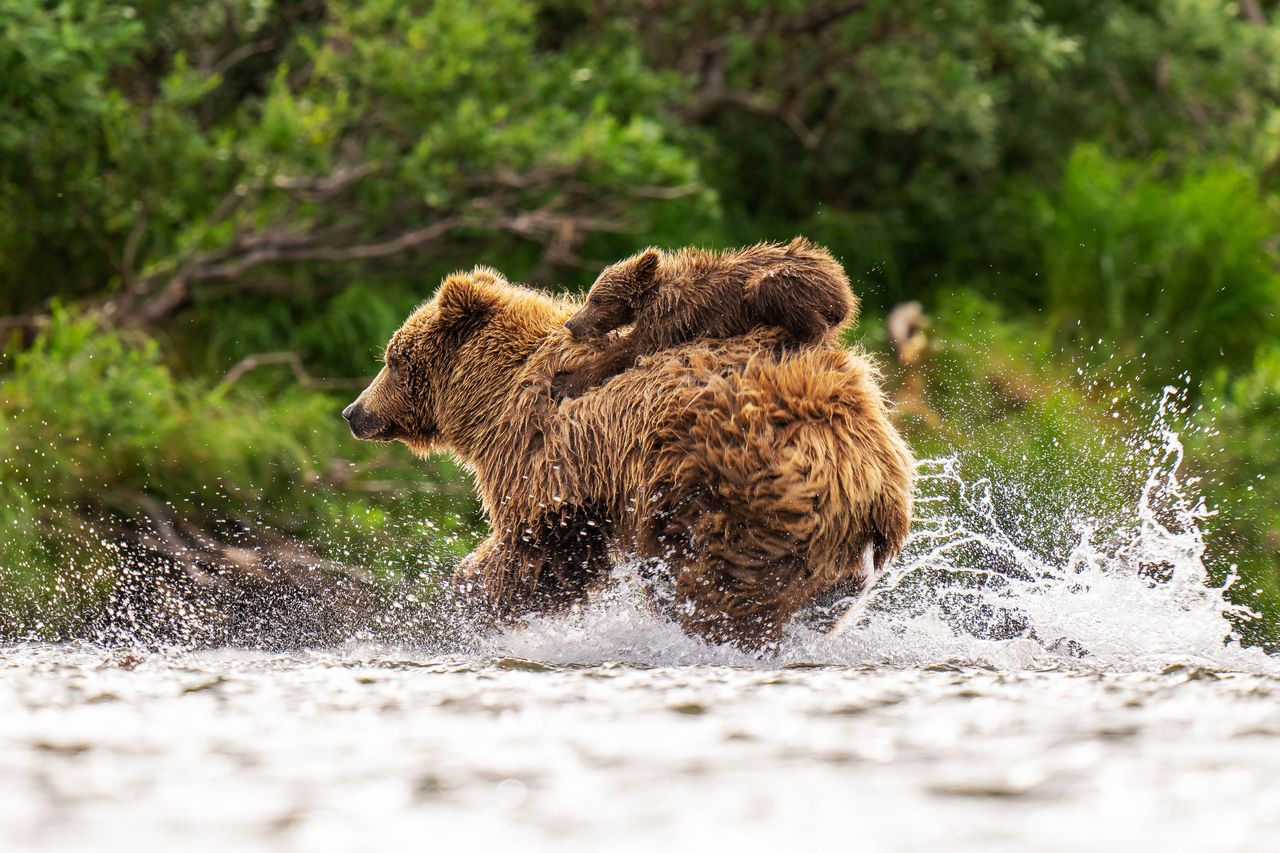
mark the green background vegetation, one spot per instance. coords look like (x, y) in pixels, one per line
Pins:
(1084, 198)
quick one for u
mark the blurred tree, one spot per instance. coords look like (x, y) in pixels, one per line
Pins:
(248, 176)
(893, 130)
(177, 151)
(246, 138)
(1173, 272)
(1236, 449)
(54, 68)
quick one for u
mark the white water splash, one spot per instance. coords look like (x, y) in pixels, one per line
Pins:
(995, 574)
(1131, 592)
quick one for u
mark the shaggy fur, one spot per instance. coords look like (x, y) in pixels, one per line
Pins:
(675, 298)
(747, 477)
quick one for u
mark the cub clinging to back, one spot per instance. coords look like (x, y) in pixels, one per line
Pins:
(672, 298)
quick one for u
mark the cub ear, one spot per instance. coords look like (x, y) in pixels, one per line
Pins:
(645, 265)
(466, 301)
(642, 269)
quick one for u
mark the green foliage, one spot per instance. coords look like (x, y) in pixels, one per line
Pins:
(341, 337)
(1174, 269)
(55, 65)
(916, 121)
(312, 137)
(100, 430)
(1191, 77)
(996, 390)
(250, 176)
(1237, 452)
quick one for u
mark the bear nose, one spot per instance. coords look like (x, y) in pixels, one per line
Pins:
(349, 412)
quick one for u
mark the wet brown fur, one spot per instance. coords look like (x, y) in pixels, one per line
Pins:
(749, 478)
(676, 297)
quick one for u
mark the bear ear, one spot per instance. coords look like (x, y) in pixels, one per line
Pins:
(466, 301)
(642, 270)
(645, 265)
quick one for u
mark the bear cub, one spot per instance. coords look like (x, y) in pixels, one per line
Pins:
(673, 298)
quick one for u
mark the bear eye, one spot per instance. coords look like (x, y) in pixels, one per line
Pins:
(393, 363)
(595, 299)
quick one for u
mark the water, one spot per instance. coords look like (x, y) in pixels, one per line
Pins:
(1013, 683)
(360, 749)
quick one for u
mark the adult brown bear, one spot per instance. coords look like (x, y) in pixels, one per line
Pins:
(749, 477)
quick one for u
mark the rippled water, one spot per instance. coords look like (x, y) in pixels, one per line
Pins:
(999, 689)
(331, 751)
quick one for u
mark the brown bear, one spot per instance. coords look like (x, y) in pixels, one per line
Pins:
(673, 298)
(746, 477)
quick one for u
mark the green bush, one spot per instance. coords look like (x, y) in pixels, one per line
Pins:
(999, 394)
(1236, 450)
(1063, 443)
(249, 176)
(1175, 271)
(99, 431)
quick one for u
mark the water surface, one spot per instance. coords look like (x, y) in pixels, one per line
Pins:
(1020, 679)
(362, 748)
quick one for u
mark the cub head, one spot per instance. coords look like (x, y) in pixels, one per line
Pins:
(617, 295)
(420, 396)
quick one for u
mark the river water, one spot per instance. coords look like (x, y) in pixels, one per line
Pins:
(997, 690)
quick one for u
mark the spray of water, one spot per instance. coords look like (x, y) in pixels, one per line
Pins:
(995, 573)
(979, 586)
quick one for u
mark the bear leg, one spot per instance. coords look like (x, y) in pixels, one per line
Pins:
(544, 565)
(619, 356)
(749, 612)
(745, 603)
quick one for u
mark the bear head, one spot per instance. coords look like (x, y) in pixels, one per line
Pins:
(444, 368)
(620, 291)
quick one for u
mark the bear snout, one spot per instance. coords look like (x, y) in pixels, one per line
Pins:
(580, 327)
(365, 425)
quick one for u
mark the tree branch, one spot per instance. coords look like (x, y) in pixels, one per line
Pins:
(241, 53)
(499, 202)
(310, 246)
(26, 326)
(305, 379)
(817, 20)
(327, 187)
(714, 94)
(711, 102)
